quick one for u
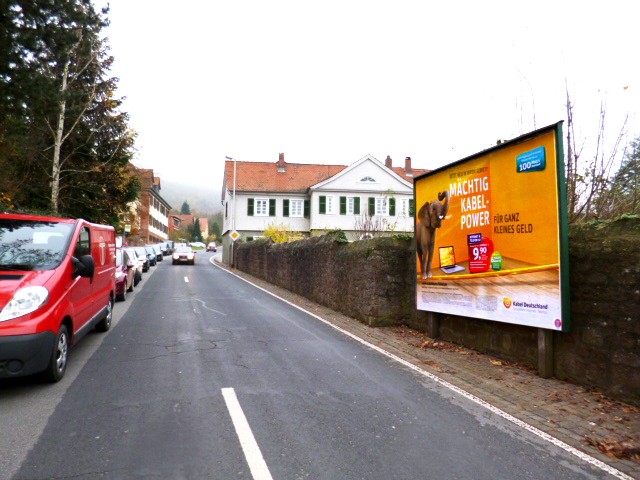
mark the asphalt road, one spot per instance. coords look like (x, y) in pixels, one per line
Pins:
(204, 376)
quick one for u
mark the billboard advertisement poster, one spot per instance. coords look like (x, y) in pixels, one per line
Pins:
(491, 234)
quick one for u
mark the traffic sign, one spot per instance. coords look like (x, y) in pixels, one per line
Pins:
(234, 235)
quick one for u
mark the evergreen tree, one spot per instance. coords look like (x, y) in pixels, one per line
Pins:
(215, 230)
(626, 183)
(197, 231)
(63, 142)
(185, 209)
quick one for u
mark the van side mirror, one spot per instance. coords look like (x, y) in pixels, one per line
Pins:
(83, 266)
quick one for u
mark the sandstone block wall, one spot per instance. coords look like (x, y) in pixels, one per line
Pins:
(373, 281)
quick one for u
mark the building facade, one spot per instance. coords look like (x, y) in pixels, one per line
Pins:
(363, 199)
(150, 212)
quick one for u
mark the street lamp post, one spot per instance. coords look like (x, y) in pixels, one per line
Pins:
(233, 213)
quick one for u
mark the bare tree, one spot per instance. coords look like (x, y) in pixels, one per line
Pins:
(370, 226)
(59, 133)
(588, 184)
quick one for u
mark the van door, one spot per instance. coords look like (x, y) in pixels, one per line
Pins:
(103, 251)
(82, 287)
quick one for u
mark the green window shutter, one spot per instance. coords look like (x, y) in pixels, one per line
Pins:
(343, 205)
(323, 204)
(307, 209)
(272, 207)
(372, 206)
(250, 206)
(285, 207)
(412, 207)
(392, 207)
(356, 205)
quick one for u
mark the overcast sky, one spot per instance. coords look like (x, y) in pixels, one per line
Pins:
(334, 80)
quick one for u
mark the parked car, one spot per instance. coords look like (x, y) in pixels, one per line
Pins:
(212, 247)
(125, 274)
(144, 255)
(184, 255)
(197, 245)
(139, 263)
(167, 248)
(152, 255)
(57, 283)
(158, 250)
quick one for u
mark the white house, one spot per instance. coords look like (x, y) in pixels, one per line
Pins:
(364, 198)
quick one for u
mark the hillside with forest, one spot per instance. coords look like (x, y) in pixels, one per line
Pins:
(203, 201)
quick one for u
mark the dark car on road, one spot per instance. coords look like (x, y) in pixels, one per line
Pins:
(152, 255)
(142, 253)
(156, 248)
(167, 248)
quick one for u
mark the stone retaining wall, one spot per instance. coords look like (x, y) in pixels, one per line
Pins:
(373, 281)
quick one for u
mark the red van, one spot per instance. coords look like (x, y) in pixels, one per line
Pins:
(57, 282)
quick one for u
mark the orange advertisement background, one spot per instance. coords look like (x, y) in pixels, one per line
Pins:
(531, 197)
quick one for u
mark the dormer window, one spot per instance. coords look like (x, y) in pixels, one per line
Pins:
(368, 179)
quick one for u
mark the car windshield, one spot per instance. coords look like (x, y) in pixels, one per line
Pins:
(141, 251)
(32, 244)
(119, 258)
(183, 250)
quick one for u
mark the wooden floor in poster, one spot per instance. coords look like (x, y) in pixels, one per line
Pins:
(519, 293)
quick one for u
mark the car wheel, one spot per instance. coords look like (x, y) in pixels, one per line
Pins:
(123, 296)
(136, 278)
(105, 324)
(58, 361)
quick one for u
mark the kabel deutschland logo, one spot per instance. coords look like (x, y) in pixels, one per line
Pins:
(506, 301)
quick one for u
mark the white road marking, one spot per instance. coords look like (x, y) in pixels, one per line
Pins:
(530, 428)
(252, 453)
(186, 279)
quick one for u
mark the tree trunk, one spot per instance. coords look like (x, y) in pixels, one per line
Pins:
(57, 142)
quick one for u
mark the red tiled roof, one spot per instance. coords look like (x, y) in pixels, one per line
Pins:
(185, 218)
(296, 177)
(415, 173)
(264, 176)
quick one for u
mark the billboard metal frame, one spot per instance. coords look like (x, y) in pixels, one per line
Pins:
(531, 154)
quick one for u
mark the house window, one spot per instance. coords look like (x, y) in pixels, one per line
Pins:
(262, 207)
(382, 206)
(331, 205)
(404, 207)
(368, 179)
(327, 204)
(349, 205)
(296, 208)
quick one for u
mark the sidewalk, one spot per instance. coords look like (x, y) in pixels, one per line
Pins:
(604, 429)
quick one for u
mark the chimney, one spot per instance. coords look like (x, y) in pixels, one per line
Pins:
(281, 165)
(387, 162)
(407, 167)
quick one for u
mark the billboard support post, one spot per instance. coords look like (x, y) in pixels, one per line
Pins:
(545, 353)
(433, 325)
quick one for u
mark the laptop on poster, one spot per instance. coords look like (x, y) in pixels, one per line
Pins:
(448, 260)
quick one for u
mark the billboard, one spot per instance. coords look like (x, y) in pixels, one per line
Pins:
(491, 234)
